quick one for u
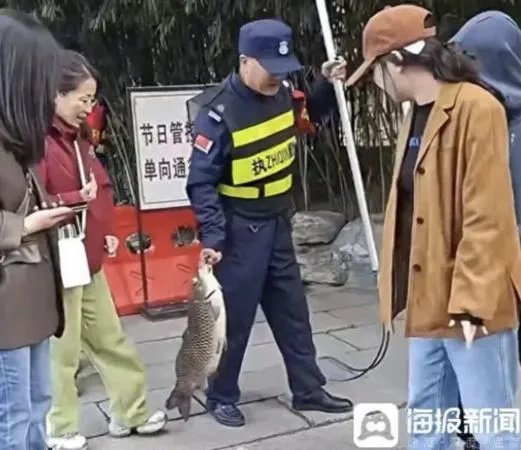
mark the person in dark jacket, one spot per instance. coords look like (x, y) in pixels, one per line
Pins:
(239, 185)
(499, 61)
(31, 306)
(92, 321)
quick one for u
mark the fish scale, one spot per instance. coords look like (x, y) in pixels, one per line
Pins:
(191, 359)
(202, 343)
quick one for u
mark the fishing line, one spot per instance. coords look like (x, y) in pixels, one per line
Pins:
(360, 372)
(382, 81)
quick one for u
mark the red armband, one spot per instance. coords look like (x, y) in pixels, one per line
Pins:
(302, 121)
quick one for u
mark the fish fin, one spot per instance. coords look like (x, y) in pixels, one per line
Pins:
(185, 335)
(216, 309)
(171, 401)
(183, 404)
(221, 360)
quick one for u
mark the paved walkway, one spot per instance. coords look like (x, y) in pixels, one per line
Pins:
(344, 323)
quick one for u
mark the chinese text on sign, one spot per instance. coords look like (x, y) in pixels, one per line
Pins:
(163, 142)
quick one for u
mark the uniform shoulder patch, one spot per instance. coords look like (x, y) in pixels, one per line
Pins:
(213, 115)
(202, 143)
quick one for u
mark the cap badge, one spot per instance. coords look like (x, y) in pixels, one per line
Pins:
(283, 48)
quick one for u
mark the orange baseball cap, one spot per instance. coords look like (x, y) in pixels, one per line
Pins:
(393, 28)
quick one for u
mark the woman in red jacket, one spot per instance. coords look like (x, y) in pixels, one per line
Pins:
(91, 320)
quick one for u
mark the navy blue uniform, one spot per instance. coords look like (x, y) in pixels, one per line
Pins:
(258, 265)
(239, 184)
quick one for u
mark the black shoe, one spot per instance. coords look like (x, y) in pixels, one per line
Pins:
(323, 401)
(227, 415)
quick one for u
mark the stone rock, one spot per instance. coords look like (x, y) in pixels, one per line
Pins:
(319, 264)
(351, 244)
(344, 260)
(317, 227)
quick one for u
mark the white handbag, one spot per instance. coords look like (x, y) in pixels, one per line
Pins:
(74, 266)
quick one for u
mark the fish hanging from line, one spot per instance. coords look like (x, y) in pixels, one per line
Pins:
(203, 342)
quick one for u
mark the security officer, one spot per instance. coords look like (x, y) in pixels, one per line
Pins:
(239, 186)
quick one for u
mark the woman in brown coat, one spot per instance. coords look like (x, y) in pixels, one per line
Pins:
(31, 308)
(451, 255)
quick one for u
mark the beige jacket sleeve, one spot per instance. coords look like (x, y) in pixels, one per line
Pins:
(11, 229)
(487, 209)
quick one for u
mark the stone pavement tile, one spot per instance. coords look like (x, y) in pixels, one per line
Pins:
(332, 437)
(330, 346)
(158, 376)
(386, 383)
(357, 316)
(260, 317)
(264, 375)
(165, 350)
(92, 421)
(260, 357)
(323, 321)
(261, 334)
(264, 419)
(263, 384)
(362, 338)
(159, 352)
(156, 400)
(92, 389)
(326, 298)
(360, 276)
(141, 329)
(259, 385)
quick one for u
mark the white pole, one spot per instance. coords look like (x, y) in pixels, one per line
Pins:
(348, 134)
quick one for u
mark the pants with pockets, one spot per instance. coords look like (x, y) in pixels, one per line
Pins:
(92, 324)
(484, 375)
(25, 397)
(259, 268)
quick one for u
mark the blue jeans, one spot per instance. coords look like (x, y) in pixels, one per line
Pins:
(486, 375)
(25, 397)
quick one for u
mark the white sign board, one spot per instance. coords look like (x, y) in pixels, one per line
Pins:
(163, 144)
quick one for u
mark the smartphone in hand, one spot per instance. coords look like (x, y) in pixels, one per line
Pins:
(78, 207)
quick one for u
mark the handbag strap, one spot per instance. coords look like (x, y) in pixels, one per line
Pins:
(83, 179)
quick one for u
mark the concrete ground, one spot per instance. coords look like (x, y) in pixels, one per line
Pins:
(345, 328)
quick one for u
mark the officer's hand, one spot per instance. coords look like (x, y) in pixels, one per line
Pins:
(210, 256)
(335, 70)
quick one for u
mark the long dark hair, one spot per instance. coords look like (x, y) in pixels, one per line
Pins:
(446, 63)
(29, 80)
(75, 69)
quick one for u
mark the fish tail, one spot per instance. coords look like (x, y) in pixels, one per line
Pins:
(181, 401)
(184, 405)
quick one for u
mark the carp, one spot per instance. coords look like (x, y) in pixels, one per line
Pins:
(203, 341)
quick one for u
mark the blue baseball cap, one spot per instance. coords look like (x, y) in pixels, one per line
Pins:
(271, 43)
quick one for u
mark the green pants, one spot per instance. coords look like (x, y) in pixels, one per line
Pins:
(92, 324)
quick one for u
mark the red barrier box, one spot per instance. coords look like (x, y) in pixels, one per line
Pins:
(169, 268)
